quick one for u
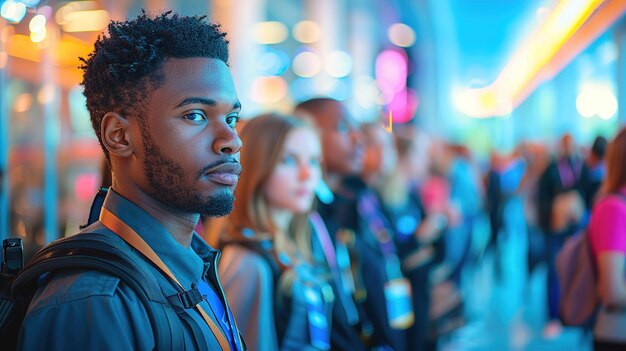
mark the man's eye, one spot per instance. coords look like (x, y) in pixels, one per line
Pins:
(195, 117)
(232, 120)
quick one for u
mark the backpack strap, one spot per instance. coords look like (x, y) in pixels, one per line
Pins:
(92, 251)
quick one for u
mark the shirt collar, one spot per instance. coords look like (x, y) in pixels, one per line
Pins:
(187, 264)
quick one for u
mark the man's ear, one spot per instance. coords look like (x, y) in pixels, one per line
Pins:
(116, 135)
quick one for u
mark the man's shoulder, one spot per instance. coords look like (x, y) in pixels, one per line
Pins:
(73, 286)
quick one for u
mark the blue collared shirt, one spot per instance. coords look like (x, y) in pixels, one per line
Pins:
(96, 311)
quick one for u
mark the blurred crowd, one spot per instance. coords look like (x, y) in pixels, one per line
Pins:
(352, 237)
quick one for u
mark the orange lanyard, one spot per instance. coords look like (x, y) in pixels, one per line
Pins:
(125, 232)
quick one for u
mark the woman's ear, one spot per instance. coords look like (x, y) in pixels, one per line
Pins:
(115, 134)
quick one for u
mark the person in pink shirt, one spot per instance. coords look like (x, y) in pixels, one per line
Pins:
(607, 230)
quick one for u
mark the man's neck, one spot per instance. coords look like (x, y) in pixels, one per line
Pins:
(178, 223)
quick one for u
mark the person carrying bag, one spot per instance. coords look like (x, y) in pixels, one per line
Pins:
(607, 239)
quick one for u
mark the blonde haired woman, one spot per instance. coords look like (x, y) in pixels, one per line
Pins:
(267, 270)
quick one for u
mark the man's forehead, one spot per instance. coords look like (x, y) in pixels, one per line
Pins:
(197, 69)
(199, 77)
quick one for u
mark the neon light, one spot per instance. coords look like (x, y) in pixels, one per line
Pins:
(390, 128)
(535, 53)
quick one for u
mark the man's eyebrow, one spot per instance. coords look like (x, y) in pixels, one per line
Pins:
(204, 101)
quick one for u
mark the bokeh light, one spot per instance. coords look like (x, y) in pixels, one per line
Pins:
(324, 85)
(37, 23)
(271, 32)
(366, 91)
(268, 89)
(307, 64)
(307, 32)
(404, 105)
(46, 94)
(338, 64)
(302, 89)
(86, 21)
(272, 62)
(13, 11)
(391, 70)
(39, 36)
(23, 102)
(401, 35)
(30, 3)
(64, 14)
(597, 100)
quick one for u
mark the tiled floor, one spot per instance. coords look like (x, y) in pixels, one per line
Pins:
(509, 314)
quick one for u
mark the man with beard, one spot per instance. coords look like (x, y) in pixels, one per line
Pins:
(164, 108)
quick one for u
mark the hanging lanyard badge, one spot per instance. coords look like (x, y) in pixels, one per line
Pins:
(317, 311)
(397, 288)
(340, 266)
(319, 299)
(117, 226)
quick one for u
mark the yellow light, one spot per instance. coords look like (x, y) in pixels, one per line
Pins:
(269, 32)
(23, 102)
(69, 49)
(268, 89)
(488, 100)
(39, 36)
(37, 23)
(481, 103)
(86, 21)
(539, 48)
(390, 128)
(401, 35)
(71, 7)
(46, 94)
(21, 46)
(307, 32)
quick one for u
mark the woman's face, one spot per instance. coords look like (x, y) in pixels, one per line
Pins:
(291, 185)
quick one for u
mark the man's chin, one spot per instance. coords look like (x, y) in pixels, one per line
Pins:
(218, 205)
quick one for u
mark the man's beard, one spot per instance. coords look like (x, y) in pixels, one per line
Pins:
(167, 182)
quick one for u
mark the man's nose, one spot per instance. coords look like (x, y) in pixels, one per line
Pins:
(227, 141)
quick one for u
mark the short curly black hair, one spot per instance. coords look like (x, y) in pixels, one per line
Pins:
(125, 66)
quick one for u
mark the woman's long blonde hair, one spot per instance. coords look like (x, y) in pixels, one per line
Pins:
(263, 140)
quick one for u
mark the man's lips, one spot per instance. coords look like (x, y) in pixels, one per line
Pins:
(225, 173)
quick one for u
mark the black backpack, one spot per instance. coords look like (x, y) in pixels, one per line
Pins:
(99, 252)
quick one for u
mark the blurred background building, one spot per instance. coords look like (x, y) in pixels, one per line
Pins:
(484, 75)
(488, 74)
